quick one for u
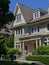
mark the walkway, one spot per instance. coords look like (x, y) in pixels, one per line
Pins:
(30, 62)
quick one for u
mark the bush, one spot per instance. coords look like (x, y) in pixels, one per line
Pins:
(43, 50)
(12, 51)
(11, 54)
(12, 63)
(43, 59)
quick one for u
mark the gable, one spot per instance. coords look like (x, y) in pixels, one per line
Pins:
(22, 21)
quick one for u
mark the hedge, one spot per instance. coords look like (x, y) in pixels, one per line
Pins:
(12, 63)
(42, 50)
(42, 59)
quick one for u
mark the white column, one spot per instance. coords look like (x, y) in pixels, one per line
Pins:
(36, 44)
(14, 44)
(20, 46)
(40, 42)
(22, 30)
(23, 51)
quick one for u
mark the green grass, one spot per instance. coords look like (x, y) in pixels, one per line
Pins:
(43, 59)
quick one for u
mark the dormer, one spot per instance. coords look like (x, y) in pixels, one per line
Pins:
(38, 13)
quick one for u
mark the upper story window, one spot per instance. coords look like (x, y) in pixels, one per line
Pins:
(36, 14)
(35, 29)
(18, 17)
(25, 30)
(38, 28)
(47, 26)
(32, 29)
(19, 31)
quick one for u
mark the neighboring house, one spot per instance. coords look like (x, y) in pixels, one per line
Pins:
(6, 29)
(31, 28)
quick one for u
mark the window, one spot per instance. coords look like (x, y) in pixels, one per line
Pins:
(18, 17)
(25, 30)
(45, 39)
(21, 30)
(18, 31)
(38, 28)
(32, 30)
(47, 26)
(45, 43)
(36, 14)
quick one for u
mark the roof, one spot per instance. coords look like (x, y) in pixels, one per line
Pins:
(26, 11)
(46, 16)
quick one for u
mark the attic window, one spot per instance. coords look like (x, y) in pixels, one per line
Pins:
(36, 14)
(18, 17)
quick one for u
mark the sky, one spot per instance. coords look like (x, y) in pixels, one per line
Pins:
(30, 3)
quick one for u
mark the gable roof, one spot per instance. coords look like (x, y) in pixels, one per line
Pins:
(26, 12)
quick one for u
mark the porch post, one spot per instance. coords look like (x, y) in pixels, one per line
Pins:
(20, 46)
(36, 44)
(23, 49)
(14, 44)
(40, 42)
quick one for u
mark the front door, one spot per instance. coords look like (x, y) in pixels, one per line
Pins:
(30, 46)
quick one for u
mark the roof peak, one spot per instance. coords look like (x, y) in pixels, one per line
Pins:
(24, 5)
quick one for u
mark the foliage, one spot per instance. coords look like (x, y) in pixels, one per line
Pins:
(12, 51)
(9, 41)
(12, 63)
(43, 59)
(43, 50)
(2, 45)
(5, 14)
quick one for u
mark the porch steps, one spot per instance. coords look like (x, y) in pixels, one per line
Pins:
(21, 58)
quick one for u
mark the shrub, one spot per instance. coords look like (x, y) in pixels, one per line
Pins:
(12, 63)
(12, 51)
(43, 59)
(42, 50)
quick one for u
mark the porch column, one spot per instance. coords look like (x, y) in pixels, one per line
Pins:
(14, 44)
(20, 46)
(36, 44)
(23, 49)
(40, 42)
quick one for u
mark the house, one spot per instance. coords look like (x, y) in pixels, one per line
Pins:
(6, 29)
(31, 28)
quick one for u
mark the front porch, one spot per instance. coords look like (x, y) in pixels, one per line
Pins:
(29, 46)
(26, 47)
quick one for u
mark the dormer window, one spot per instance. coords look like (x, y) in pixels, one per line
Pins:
(36, 14)
(18, 17)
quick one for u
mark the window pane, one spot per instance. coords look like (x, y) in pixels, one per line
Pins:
(48, 26)
(38, 28)
(18, 17)
(32, 30)
(25, 30)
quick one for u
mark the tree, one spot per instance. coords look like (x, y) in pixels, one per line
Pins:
(5, 17)
(5, 14)
(9, 41)
(2, 45)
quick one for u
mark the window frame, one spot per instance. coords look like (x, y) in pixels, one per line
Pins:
(18, 17)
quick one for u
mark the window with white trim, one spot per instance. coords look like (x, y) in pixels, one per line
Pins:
(18, 17)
